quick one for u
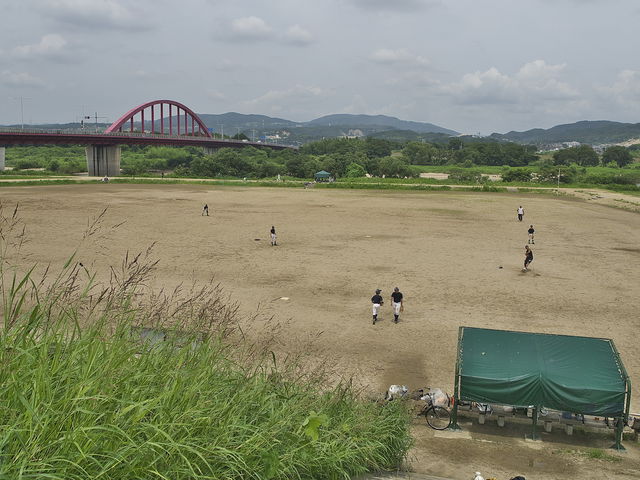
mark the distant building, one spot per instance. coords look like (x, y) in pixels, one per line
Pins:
(353, 133)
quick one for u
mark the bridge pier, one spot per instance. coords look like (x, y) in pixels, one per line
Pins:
(2, 151)
(209, 150)
(103, 160)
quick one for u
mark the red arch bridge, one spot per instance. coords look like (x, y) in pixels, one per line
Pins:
(160, 122)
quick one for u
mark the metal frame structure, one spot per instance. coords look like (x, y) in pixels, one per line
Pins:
(128, 117)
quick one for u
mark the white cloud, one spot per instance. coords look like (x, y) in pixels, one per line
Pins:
(542, 79)
(398, 57)
(297, 35)
(49, 45)
(625, 89)
(255, 29)
(19, 79)
(534, 82)
(250, 28)
(96, 14)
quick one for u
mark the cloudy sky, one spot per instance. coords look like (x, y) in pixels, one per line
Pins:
(469, 65)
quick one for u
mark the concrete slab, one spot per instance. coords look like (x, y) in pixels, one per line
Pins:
(401, 476)
(455, 434)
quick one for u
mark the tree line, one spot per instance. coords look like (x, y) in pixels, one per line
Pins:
(343, 158)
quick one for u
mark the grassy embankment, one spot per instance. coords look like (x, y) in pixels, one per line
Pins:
(84, 396)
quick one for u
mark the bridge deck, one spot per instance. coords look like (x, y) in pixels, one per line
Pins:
(64, 137)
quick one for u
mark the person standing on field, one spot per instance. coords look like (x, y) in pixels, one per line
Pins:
(273, 236)
(520, 213)
(377, 301)
(205, 210)
(528, 257)
(396, 303)
(531, 231)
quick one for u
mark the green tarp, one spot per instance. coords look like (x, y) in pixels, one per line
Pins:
(573, 374)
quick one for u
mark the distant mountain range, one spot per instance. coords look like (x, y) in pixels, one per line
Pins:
(323, 127)
(391, 128)
(590, 132)
(380, 121)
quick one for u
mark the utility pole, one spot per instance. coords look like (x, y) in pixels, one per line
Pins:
(84, 117)
(97, 117)
(22, 99)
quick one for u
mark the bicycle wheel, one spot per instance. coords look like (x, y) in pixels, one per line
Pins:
(438, 418)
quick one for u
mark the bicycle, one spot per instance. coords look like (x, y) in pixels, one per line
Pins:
(438, 417)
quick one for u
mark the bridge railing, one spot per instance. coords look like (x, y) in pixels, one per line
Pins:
(88, 132)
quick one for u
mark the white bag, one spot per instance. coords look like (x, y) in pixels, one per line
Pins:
(396, 391)
(438, 397)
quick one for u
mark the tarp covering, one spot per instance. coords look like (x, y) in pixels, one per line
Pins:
(567, 373)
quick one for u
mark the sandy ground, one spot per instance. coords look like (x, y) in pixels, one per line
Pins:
(443, 249)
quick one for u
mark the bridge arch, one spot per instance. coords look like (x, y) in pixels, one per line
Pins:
(178, 125)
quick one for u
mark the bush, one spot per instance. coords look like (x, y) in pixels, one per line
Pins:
(354, 171)
(549, 174)
(54, 165)
(72, 166)
(626, 178)
(26, 163)
(516, 174)
(465, 175)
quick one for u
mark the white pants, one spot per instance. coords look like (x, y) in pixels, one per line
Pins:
(376, 308)
(273, 239)
(396, 308)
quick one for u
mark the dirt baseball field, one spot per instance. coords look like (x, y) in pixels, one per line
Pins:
(456, 256)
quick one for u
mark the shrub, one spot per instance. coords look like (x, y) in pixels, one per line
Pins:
(465, 175)
(354, 171)
(516, 174)
(26, 163)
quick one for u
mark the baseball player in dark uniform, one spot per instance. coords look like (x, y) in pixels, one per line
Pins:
(396, 303)
(377, 301)
(528, 257)
(531, 231)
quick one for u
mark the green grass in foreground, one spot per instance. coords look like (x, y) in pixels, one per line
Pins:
(83, 397)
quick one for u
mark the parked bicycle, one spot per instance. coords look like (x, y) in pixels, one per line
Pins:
(438, 417)
(436, 409)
